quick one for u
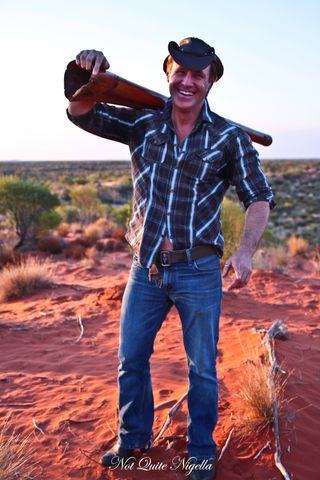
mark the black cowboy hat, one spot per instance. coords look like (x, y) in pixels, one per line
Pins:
(195, 54)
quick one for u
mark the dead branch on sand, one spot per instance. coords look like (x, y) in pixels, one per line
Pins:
(267, 445)
(275, 330)
(171, 412)
(225, 446)
(81, 329)
(37, 427)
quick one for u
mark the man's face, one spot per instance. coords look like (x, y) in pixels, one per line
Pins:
(188, 88)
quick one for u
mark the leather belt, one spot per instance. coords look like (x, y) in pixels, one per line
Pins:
(169, 257)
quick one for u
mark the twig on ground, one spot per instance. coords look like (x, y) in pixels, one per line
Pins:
(83, 421)
(267, 445)
(268, 340)
(171, 412)
(166, 403)
(81, 329)
(37, 427)
(90, 458)
(225, 446)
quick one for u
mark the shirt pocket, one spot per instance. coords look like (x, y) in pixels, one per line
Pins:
(207, 166)
(155, 148)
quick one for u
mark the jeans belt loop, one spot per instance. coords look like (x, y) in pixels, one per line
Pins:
(189, 256)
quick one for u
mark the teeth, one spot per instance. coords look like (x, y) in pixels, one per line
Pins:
(185, 93)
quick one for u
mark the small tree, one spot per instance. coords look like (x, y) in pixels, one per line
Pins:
(25, 203)
(85, 199)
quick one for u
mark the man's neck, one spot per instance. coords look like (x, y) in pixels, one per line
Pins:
(184, 122)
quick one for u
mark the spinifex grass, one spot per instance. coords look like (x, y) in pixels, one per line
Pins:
(29, 276)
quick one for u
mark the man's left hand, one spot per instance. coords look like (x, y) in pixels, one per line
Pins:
(241, 264)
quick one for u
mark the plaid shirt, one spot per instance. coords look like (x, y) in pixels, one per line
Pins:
(178, 189)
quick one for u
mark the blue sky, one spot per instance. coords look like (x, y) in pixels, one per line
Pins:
(270, 51)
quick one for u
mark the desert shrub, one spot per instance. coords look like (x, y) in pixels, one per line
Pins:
(111, 245)
(93, 232)
(271, 258)
(297, 245)
(107, 226)
(49, 220)
(122, 214)
(63, 229)
(24, 202)
(76, 228)
(8, 256)
(50, 244)
(75, 251)
(125, 186)
(232, 219)
(19, 280)
(93, 256)
(83, 241)
(257, 395)
(316, 260)
(119, 234)
(85, 199)
(68, 213)
(15, 455)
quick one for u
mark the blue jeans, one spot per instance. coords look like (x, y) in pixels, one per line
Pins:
(195, 290)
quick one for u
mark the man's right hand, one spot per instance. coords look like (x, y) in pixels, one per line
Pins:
(94, 62)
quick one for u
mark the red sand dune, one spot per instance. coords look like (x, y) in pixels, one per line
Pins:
(69, 387)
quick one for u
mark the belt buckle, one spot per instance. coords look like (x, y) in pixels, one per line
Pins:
(164, 258)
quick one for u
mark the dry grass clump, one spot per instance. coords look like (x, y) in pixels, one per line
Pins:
(297, 245)
(111, 245)
(270, 258)
(15, 456)
(94, 232)
(316, 260)
(257, 396)
(8, 256)
(107, 225)
(63, 229)
(50, 244)
(29, 276)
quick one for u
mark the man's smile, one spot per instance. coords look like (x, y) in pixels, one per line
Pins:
(185, 93)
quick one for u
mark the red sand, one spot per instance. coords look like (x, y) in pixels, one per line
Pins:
(69, 388)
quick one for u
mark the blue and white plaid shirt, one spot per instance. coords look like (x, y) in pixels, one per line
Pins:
(178, 189)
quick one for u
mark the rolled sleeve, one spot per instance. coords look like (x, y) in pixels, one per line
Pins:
(107, 121)
(246, 173)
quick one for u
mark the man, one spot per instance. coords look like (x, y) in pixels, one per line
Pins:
(184, 158)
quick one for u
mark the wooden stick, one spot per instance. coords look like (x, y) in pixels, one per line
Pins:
(81, 329)
(37, 427)
(224, 448)
(268, 340)
(261, 451)
(171, 412)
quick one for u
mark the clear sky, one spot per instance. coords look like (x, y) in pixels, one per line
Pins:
(269, 48)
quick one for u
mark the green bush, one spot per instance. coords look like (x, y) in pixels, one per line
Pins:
(122, 215)
(85, 200)
(49, 220)
(24, 203)
(232, 218)
(68, 214)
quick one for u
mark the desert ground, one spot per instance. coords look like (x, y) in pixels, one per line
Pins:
(59, 383)
(58, 345)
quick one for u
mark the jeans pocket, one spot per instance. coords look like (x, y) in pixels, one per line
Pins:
(209, 263)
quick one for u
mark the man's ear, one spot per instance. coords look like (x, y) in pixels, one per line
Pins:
(210, 86)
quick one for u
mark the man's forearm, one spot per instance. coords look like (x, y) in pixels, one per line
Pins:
(80, 108)
(257, 216)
